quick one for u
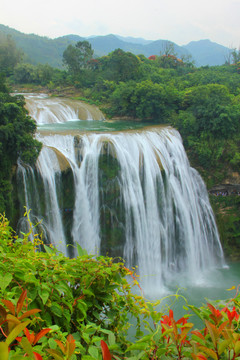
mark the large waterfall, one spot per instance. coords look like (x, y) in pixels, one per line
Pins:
(131, 194)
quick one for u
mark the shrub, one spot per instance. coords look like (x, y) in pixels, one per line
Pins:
(53, 307)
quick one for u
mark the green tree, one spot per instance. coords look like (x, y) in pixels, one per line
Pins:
(76, 57)
(121, 100)
(213, 110)
(24, 74)
(145, 100)
(155, 101)
(235, 56)
(16, 141)
(10, 56)
(120, 66)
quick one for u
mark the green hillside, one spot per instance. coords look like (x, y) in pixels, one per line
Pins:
(39, 49)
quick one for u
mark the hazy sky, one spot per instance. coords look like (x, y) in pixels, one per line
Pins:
(180, 21)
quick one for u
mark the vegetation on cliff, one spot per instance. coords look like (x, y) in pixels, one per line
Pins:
(16, 141)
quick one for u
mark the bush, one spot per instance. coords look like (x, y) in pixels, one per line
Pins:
(47, 297)
(87, 297)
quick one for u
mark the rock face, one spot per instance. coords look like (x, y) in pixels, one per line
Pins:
(233, 178)
(225, 189)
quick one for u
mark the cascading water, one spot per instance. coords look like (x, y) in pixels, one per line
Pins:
(47, 110)
(133, 195)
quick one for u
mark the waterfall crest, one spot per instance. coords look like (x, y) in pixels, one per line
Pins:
(126, 194)
(47, 110)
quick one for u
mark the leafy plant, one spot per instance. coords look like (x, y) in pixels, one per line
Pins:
(13, 321)
(67, 350)
(58, 308)
(220, 338)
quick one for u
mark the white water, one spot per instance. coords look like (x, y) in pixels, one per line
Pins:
(169, 228)
(59, 110)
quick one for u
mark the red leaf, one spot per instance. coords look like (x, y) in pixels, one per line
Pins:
(41, 333)
(62, 347)
(70, 339)
(21, 301)
(197, 333)
(105, 351)
(231, 314)
(37, 356)
(170, 314)
(70, 345)
(3, 313)
(29, 313)
(201, 357)
(182, 321)
(212, 308)
(27, 333)
(9, 305)
(216, 315)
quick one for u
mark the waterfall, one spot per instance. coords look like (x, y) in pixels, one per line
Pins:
(48, 170)
(47, 110)
(129, 194)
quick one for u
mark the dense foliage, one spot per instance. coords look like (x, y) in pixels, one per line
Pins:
(53, 307)
(10, 56)
(227, 213)
(76, 57)
(16, 141)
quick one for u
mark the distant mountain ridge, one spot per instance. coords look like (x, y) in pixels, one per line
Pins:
(39, 49)
(207, 52)
(103, 45)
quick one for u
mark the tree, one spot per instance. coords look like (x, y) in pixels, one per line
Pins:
(145, 100)
(235, 55)
(120, 66)
(10, 56)
(213, 109)
(24, 74)
(76, 57)
(168, 49)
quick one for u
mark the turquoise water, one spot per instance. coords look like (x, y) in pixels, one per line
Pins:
(212, 286)
(92, 125)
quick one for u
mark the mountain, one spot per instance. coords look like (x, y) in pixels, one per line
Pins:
(158, 46)
(206, 52)
(134, 40)
(39, 49)
(103, 45)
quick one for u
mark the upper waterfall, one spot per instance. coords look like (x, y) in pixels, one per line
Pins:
(47, 110)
